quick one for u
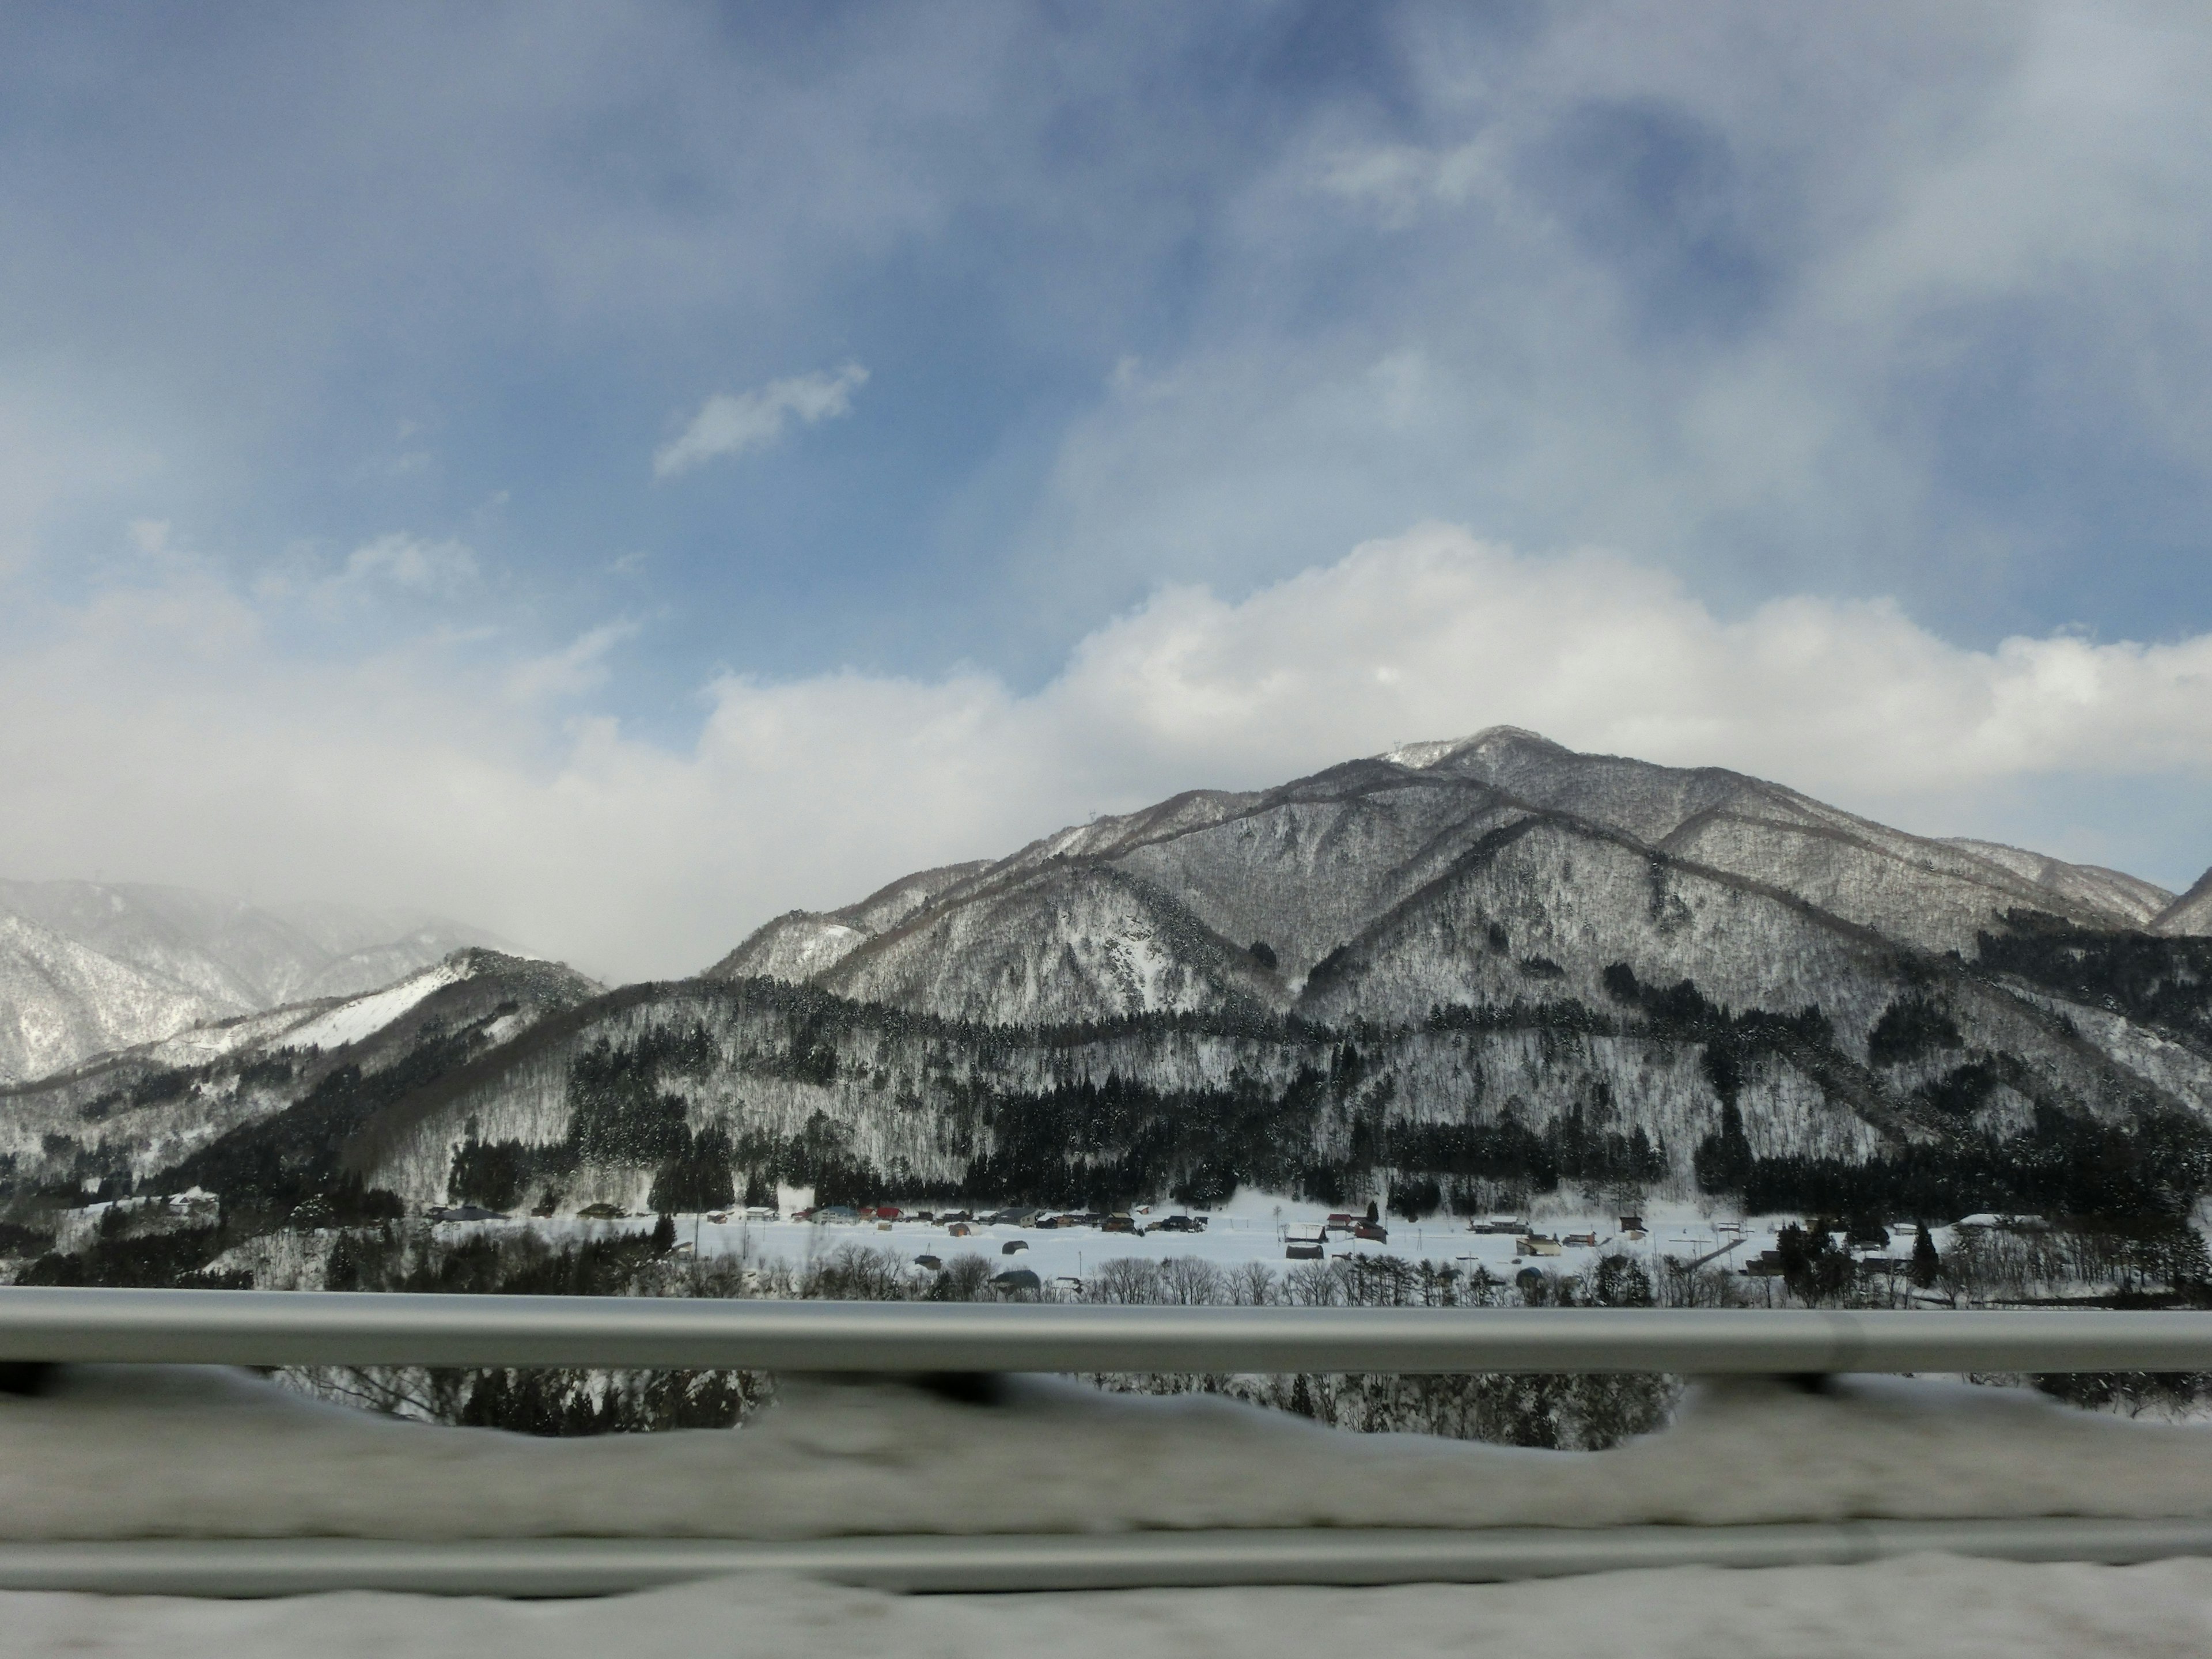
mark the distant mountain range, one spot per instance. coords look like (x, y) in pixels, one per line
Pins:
(87, 967)
(1457, 974)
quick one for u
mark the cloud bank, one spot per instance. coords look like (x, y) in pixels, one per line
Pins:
(729, 425)
(167, 732)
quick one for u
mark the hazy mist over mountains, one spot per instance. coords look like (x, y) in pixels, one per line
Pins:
(90, 966)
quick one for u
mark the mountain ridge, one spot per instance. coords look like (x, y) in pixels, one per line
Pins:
(124, 1115)
(1936, 894)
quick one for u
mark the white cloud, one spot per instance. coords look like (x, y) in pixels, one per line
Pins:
(577, 667)
(408, 562)
(1436, 633)
(1399, 180)
(736, 425)
(166, 733)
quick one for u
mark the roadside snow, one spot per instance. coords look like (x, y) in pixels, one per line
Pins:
(1926, 1604)
(123, 1453)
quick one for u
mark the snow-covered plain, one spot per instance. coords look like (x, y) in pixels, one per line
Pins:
(1253, 1227)
(1927, 1604)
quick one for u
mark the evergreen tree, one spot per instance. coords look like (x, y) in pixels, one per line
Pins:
(1927, 1265)
(698, 1177)
(1621, 1283)
(664, 1234)
(1722, 1162)
(1813, 1268)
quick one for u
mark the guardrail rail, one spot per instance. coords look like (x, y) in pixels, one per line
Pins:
(44, 1326)
(302, 1328)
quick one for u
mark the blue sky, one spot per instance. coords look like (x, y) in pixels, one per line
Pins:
(337, 345)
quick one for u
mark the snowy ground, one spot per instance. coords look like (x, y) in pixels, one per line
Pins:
(1924, 1605)
(150, 1452)
(179, 1451)
(1254, 1227)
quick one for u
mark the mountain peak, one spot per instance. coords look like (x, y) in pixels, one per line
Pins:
(1168, 909)
(1421, 757)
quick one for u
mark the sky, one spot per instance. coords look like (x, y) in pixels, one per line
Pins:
(614, 473)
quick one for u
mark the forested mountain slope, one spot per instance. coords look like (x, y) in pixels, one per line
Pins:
(129, 1116)
(61, 1000)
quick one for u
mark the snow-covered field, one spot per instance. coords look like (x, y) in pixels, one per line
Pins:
(1253, 1227)
(1931, 1605)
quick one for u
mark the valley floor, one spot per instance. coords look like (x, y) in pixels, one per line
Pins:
(1254, 1229)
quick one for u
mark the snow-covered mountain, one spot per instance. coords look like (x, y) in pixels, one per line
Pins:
(137, 1111)
(1459, 973)
(1490, 961)
(1534, 852)
(86, 967)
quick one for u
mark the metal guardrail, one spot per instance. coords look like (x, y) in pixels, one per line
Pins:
(552, 1567)
(279, 1328)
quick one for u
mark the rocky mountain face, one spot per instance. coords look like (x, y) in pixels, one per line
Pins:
(1459, 975)
(88, 967)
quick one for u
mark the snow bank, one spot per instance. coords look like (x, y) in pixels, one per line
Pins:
(1923, 1604)
(121, 1453)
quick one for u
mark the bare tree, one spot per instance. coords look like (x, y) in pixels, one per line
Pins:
(1314, 1284)
(963, 1279)
(852, 1272)
(1192, 1280)
(1252, 1284)
(1130, 1279)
